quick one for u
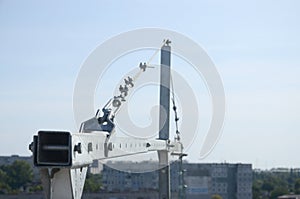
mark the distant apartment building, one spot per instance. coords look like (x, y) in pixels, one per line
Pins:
(116, 180)
(231, 181)
(95, 167)
(286, 170)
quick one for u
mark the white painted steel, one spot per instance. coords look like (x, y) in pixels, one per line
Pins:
(68, 182)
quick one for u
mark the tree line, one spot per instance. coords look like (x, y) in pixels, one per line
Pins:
(16, 177)
(19, 177)
(270, 185)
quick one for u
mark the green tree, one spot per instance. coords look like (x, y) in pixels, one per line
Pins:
(297, 186)
(216, 196)
(256, 189)
(4, 187)
(278, 191)
(19, 174)
(93, 183)
(270, 183)
(36, 188)
(267, 186)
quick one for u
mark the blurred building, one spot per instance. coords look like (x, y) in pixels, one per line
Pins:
(231, 181)
(289, 197)
(134, 179)
(95, 167)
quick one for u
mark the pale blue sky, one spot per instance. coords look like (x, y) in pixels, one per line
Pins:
(255, 46)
